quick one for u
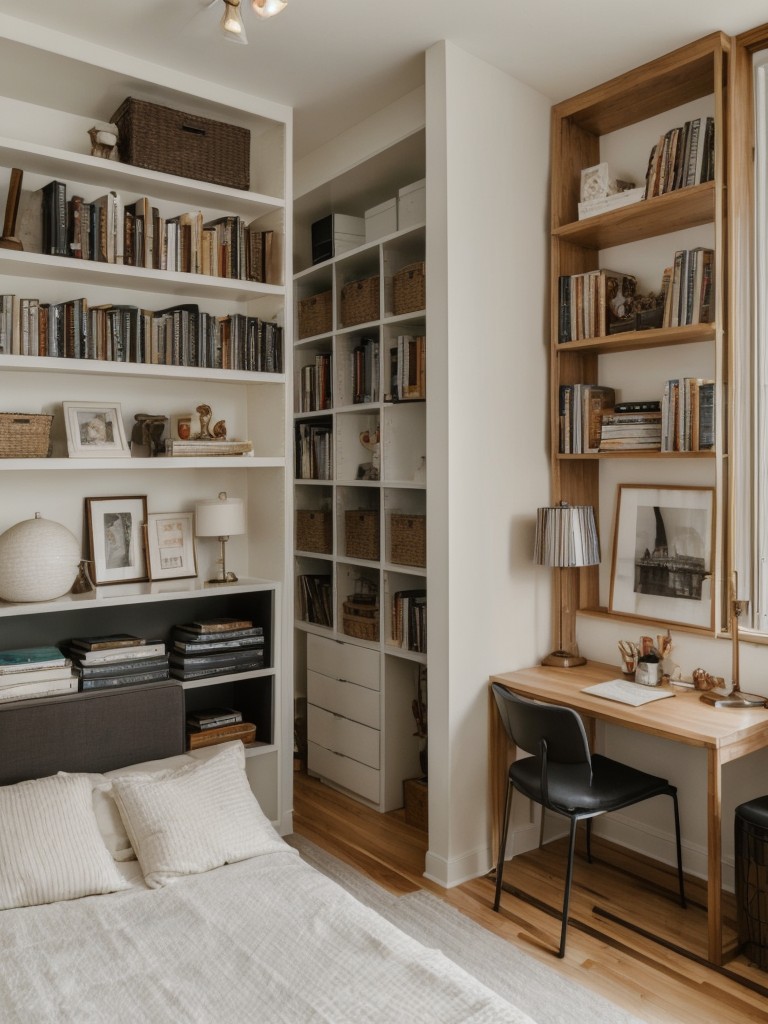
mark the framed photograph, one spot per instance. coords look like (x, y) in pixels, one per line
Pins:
(171, 545)
(662, 554)
(116, 538)
(95, 430)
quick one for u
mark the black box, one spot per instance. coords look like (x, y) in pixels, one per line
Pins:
(335, 234)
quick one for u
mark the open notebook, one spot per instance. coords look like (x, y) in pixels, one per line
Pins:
(626, 692)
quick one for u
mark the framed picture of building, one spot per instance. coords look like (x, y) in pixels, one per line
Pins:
(662, 554)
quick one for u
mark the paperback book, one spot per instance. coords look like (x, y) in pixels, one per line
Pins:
(32, 657)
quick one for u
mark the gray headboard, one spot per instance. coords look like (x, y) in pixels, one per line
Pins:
(93, 731)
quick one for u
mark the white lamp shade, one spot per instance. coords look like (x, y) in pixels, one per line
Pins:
(268, 8)
(219, 517)
(566, 536)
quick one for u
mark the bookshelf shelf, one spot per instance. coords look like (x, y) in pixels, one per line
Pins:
(355, 653)
(67, 95)
(619, 122)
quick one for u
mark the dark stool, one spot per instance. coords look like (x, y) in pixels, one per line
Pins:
(751, 844)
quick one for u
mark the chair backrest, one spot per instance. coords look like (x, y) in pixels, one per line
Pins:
(528, 723)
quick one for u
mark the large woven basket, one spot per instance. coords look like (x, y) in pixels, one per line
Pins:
(162, 139)
(314, 531)
(25, 435)
(359, 302)
(315, 314)
(361, 533)
(408, 539)
(360, 617)
(409, 289)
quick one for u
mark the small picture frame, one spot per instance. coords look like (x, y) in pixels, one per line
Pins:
(171, 545)
(116, 538)
(95, 430)
(662, 554)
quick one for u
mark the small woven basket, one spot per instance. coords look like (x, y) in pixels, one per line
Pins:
(314, 531)
(361, 533)
(409, 289)
(360, 612)
(408, 539)
(25, 435)
(359, 302)
(162, 139)
(315, 314)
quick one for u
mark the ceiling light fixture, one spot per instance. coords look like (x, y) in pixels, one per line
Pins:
(232, 22)
(268, 8)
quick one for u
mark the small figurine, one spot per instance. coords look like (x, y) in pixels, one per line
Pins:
(204, 412)
(371, 441)
(147, 435)
(104, 142)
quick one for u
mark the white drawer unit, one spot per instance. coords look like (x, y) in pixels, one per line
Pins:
(344, 661)
(343, 736)
(343, 698)
(344, 771)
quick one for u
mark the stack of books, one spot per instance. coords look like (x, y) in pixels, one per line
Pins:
(217, 725)
(214, 647)
(207, 447)
(117, 660)
(35, 672)
(631, 426)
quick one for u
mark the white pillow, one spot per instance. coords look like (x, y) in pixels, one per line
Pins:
(194, 818)
(50, 845)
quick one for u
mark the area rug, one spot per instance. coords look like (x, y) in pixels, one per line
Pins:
(522, 980)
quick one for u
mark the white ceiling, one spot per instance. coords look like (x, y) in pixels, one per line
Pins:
(336, 61)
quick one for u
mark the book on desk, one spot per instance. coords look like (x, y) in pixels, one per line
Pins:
(626, 692)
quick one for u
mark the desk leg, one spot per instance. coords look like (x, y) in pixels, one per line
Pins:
(714, 854)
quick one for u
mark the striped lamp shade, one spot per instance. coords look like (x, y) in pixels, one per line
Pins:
(566, 536)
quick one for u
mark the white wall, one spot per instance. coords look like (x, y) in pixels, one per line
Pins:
(487, 463)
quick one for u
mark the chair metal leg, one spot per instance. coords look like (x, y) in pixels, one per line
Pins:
(567, 894)
(541, 827)
(589, 840)
(502, 846)
(680, 880)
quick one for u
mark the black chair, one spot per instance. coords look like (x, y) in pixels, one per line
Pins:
(563, 776)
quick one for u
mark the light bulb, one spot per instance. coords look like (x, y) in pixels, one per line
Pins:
(267, 8)
(232, 22)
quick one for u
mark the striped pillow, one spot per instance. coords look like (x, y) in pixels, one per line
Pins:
(195, 818)
(50, 845)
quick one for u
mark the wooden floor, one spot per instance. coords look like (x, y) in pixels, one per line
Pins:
(651, 979)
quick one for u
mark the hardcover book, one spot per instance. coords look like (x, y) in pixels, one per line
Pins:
(37, 657)
(216, 625)
(100, 643)
(211, 718)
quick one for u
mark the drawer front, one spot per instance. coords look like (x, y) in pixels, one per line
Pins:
(357, 778)
(343, 736)
(343, 661)
(355, 702)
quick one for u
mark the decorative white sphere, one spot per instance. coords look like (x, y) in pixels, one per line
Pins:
(39, 560)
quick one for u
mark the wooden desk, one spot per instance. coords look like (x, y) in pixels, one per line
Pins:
(725, 733)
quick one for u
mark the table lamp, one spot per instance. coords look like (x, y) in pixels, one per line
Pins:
(220, 517)
(735, 697)
(566, 539)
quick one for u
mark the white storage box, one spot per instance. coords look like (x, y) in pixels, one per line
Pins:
(412, 204)
(381, 220)
(334, 234)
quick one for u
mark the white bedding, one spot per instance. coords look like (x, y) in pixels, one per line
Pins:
(266, 940)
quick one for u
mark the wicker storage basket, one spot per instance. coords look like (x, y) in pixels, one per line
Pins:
(361, 534)
(408, 539)
(360, 615)
(25, 435)
(162, 139)
(314, 531)
(359, 302)
(409, 289)
(315, 314)
(245, 731)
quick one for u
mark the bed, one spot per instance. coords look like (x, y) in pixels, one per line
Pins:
(142, 883)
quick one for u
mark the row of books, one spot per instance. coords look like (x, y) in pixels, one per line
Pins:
(409, 620)
(364, 371)
(408, 368)
(109, 230)
(591, 303)
(35, 672)
(315, 384)
(216, 647)
(314, 596)
(683, 156)
(314, 451)
(180, 335)
(688, 415)
(688, 287)
(582, 407)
